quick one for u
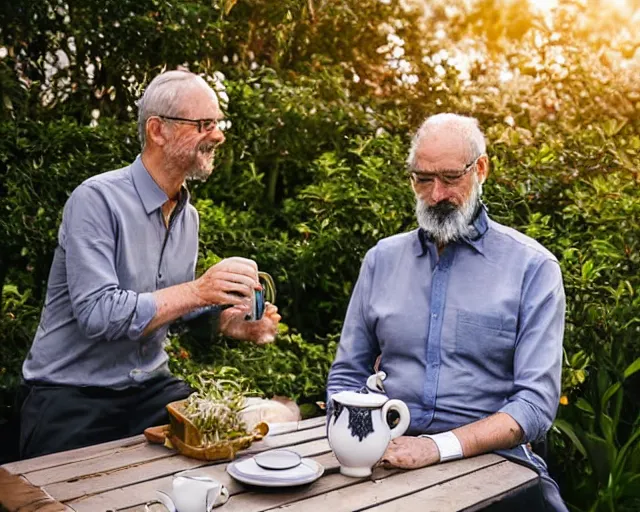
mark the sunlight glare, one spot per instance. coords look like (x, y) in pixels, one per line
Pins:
(548, 5)
(544, 5)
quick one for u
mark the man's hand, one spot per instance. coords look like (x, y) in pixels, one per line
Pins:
(233, 324)
(231, 281)
(496, 432)
(410, 453)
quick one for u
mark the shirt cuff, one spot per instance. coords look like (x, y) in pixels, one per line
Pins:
(143, 314)
(213, 309)
(527, 417)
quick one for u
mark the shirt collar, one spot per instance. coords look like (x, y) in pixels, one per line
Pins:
(480, 227)
(475, 239)
(151, 195)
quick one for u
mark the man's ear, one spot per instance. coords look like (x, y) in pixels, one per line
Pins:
(155, 131)
(413, 187)
(483, 168)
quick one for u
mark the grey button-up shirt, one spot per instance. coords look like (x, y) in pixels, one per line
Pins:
(462, 335)
(113, 251)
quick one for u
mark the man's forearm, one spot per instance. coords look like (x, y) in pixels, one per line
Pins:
(174, 302)
(496, 432)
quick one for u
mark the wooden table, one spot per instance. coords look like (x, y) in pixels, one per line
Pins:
(124, 474)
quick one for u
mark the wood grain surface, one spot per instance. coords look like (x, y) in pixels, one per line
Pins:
(124, 475)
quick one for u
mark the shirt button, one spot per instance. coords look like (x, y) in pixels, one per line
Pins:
(435, 315)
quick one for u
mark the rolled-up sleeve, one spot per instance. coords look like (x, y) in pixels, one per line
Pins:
(538, 354)
(358, 346)
(88, 237)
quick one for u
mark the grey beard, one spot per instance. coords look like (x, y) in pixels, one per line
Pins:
(447, 223)
(177, 155)
(197, 174)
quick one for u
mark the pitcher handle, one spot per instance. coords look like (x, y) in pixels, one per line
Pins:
(269, 287)
(405, 416)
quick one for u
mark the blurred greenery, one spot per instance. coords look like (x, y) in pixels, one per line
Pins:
(322, 97)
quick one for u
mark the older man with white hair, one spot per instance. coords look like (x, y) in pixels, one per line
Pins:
(122, 271)
(465, 315)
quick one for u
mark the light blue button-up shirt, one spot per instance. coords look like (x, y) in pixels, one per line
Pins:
(113, 251)
(474, 331)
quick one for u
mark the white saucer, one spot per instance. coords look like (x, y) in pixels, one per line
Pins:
(247, 471)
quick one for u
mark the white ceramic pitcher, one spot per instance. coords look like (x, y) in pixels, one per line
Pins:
(358, 431)
(193, 491)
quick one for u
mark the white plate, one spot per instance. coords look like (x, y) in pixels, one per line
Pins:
(278, 459)
(247, 471)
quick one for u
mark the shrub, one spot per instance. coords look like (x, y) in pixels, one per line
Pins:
(311, 174)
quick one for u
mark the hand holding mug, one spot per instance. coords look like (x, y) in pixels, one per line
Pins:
(233, 281)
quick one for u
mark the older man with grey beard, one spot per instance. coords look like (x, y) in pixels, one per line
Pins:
(465, 315)
(122, 271)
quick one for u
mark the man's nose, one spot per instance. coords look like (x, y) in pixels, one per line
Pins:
(438, 192)
(217, 136)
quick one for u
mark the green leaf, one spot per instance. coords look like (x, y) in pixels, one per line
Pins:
(10, 289)
(632, 368)
(566, 428)
(228, 5)
(585, 406)
(603, 381)
(579, 376)
(626, 449)
(634, 459)
(613, 126)
(607, 426)
(7, 102)
(579, 359)
(631, 487)
(600, 456)
(608, 394)
(629, 287)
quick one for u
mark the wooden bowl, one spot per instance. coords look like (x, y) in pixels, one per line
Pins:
(183, 435)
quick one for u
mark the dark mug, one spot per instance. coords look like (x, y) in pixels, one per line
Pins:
(261, 297)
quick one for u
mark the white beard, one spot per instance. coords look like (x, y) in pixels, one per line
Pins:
(203, 164)
(447, 223)
(198, 161)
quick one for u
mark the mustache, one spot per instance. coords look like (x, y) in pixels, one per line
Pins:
(207, 147)
(443, 209)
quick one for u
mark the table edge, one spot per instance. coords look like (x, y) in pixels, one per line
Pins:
(37, 498)
(500, 497)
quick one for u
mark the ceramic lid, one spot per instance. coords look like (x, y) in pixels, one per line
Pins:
(355, 399)
(278, 459)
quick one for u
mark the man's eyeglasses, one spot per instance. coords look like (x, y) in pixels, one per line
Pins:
(208, 125)
(445, 177)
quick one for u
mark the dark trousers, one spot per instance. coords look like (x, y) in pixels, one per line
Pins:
(58, 418)
(545, 497)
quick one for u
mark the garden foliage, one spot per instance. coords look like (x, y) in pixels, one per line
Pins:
(321, 99)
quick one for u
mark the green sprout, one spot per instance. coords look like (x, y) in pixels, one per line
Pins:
(215, 408)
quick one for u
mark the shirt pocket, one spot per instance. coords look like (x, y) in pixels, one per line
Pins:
(486, 342)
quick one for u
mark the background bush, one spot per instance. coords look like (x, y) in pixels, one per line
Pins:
(322, 97)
